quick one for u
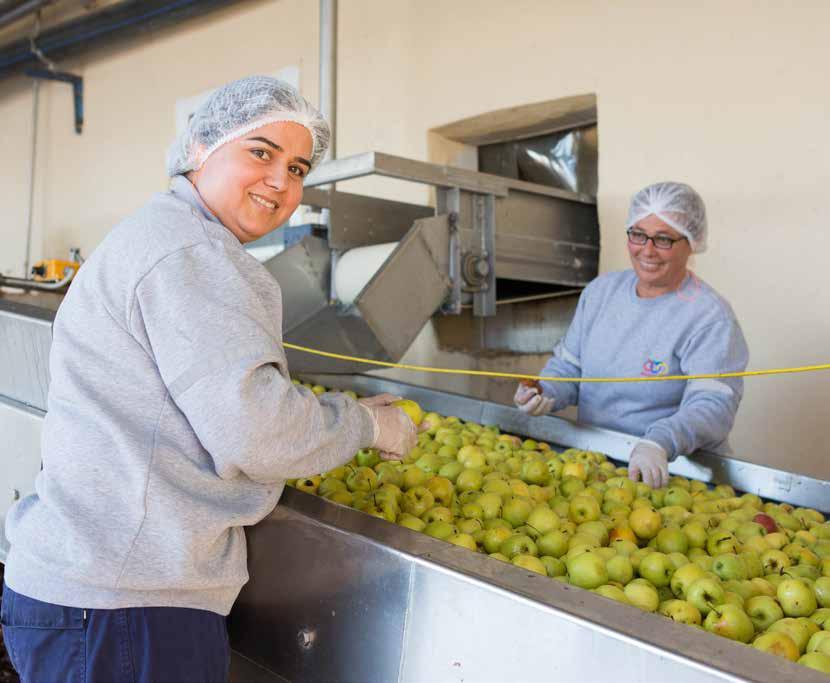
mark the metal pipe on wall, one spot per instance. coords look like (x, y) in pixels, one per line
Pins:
(328, 70)
(17, 10)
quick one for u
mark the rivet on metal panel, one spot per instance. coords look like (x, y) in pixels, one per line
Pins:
(306, 637)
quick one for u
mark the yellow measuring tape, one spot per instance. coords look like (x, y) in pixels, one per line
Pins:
(513, 375)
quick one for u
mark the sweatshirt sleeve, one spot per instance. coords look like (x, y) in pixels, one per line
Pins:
(707, 411)
(566, 362)
(218, 349)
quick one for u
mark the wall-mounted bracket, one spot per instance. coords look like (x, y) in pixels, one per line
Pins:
(77, 83)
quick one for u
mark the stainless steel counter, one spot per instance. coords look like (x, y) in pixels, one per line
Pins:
(337, 595)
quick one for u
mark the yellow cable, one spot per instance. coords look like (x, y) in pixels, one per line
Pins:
(512, 375)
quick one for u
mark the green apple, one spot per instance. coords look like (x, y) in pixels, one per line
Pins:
(657, 568)
(474, 527)
(821, 588)
(642, 594)
(587, 570)
(367, 457)
(535, 472)
(817, 661)
(729, 566)
(705, 593)
(778, 644)
(645, 522)
(796, 598)
(683, 578)
(752, 562)
(329, 486)
(471, 511)
(678, 560)
(731, 622)
(437, 514)
(417, 500)
(518, 544)
(527, 531)
(442, 489)
(623, 546)
(553, 566)
(695, 534)
(681, 611)
(570, 486)
(516, 510)
(493, 538)
(612, 593)
(584, 508)
(463, 540)
(619, 569)
(342, 497)
(499, 487)
(469, 480)
(796, 629)
(543, 519)
(531, 563)
(676, 495)
(490, 505)
(819, 642)
(451, 470)
(764, 611)
(773, 561)
(413, 476)
(553, 543)
(440, 529)
(362, 479)
(821, 617)
(720, 542)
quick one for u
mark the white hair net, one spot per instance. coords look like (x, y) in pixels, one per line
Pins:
(677, 205)
(238, 108)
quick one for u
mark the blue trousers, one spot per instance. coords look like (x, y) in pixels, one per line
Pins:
(51, 644)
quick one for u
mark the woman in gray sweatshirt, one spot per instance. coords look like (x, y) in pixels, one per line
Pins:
(173, 422)
(656, 319)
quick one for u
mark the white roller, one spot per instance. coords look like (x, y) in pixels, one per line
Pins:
(356, 267)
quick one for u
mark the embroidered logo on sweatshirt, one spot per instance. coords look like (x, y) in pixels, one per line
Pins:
(654, 368)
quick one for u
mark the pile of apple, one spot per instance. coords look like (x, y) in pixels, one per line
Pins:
(733, 565)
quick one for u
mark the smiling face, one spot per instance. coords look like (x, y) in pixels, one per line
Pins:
(254, 183)
(659, 271)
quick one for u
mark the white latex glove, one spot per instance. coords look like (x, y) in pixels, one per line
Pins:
(651, 461)
(379, 400)
(394, 433)
(529, 400)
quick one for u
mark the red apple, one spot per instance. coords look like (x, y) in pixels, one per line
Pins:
(767, 522)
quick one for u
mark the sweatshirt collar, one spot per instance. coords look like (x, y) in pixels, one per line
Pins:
(183, 189)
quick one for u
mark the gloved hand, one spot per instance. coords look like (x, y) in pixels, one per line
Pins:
(530, 400)
(379, 400)
(394, 433)
(651, 461)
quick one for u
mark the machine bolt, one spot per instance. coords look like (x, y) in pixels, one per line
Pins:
(306, 638)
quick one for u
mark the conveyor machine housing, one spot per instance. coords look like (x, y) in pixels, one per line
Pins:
(485, 231)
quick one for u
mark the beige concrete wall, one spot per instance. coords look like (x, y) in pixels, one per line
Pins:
(729, 96)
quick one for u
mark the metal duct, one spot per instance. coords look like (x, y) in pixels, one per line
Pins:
(106, 26)
(17, 10)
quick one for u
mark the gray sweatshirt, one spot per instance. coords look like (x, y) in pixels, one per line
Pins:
(172, 421)
(615, 333)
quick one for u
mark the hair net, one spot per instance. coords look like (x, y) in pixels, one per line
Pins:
(676, 204)
(238, 108)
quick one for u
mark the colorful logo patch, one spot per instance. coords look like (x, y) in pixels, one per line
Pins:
(654, 368)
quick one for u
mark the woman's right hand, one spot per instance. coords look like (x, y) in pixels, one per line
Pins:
(395, 434)
(529, 400)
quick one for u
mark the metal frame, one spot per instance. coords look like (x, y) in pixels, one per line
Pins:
(378, 163)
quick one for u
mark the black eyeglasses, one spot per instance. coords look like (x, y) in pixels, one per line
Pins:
(640, 238)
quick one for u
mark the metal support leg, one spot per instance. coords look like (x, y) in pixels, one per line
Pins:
(484, 262)
(449, 202)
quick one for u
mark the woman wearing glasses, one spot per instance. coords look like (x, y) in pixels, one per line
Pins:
(658, 318)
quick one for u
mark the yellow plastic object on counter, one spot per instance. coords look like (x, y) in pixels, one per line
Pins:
(50, 270)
